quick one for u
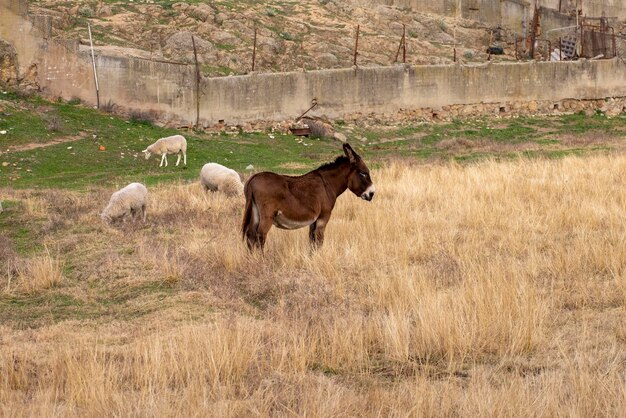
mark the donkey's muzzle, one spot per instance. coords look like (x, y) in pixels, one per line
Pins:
(367, 196)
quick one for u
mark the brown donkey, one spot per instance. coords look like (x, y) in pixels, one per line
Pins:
(291, 202)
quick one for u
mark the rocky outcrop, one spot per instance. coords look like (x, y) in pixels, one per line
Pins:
(8, 65)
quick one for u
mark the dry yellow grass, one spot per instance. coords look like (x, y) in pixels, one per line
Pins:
(495, 289)
(31, 275)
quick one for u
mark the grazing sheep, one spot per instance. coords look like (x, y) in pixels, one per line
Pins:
(216, 177)
(175, 144)
(130, 200)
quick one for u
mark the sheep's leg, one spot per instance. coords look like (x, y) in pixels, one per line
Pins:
(178, 160)
(143, 212)
(185, 157)
(163, 159)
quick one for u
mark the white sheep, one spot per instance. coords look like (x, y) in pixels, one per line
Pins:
(216, 177)
(130, 200)
(175, 144)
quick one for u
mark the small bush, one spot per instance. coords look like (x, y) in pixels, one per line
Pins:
(108, 107)
(287, 36)
(140, 117)
(86, 11)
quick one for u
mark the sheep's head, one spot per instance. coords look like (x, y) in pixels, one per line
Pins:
(106, 218)
(146, 153)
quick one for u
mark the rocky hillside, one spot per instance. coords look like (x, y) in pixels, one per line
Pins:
(291, 35)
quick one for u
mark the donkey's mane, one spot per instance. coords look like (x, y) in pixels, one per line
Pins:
(342, 159)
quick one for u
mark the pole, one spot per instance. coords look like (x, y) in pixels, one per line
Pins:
(398, 51)
(356, 44)
(489, 46)
(404, 43)
(454, 43)
(254, 50)
(195, 58)
(95, 73)
(314, 103)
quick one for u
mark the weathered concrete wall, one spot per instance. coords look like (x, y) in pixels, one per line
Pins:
(167, 91)
(507, 13)
(611, 8)
(163, 91)
(552, 19)
(513, 15)
(60, 70)
(389, 89)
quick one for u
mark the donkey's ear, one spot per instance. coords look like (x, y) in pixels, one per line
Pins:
(352, 156)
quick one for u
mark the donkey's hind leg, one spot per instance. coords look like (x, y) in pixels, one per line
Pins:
(265, 223)
(259, 226)
(252, 227)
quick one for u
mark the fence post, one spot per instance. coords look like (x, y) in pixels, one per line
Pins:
(356, 44)
(454, 44)
(254, 50)
(404, 43)
(195, 57)
(95, 73)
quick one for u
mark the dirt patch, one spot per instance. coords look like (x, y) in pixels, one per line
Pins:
(55, 141)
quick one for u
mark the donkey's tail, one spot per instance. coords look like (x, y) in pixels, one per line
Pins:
(247, 214)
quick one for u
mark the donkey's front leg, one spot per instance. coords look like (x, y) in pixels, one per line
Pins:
(316, 232)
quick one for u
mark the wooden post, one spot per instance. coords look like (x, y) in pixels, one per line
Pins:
(489, 46)
(398, 51)
(95, 73)
(404, 43)
(454, 43)
(533, 33)
(195, 58)
(356, 44)
(254, 50)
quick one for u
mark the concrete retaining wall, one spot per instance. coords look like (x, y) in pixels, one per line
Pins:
(167, 91)
(160, 90)
(390, 89)
(508, 13)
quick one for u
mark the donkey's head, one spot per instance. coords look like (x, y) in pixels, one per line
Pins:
(359, 180)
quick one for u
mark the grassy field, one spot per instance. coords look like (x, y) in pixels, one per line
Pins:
(478, 282)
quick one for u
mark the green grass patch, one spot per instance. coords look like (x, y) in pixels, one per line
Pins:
(22, 232)
(79, 164)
